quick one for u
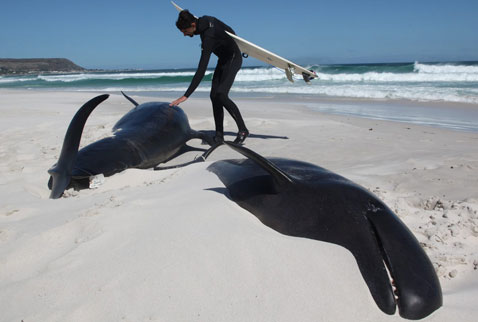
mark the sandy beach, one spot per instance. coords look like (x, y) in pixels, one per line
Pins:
(160, 246)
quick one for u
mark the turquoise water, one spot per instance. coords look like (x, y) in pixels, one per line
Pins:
(446, 82)
(460, 118)
(396, 91)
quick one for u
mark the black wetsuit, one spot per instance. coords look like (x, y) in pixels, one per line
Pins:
(215, 40)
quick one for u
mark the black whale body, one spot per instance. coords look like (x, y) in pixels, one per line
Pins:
(300, 199)
(149, 134)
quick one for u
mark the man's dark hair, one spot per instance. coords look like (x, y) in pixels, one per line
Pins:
(185, 20)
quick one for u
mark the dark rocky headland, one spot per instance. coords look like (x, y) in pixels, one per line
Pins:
(13, 66)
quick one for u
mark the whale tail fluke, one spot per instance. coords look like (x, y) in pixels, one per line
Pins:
(204, 136)
(61, 172)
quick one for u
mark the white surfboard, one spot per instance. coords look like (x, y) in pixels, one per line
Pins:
(249, 49)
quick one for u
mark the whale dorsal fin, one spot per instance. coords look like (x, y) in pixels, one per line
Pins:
(280, 177)
(130, 99)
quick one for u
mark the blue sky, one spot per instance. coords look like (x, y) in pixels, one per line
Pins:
(142, 33)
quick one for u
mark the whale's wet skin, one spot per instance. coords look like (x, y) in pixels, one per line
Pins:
(149, 134)
(303, 200)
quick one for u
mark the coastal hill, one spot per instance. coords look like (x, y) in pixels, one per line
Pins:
(10, 66)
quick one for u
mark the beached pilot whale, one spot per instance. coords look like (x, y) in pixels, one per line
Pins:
(149, 134)
(303, 200)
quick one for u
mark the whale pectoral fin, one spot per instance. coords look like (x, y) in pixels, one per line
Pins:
(201, 158)
(418, 288)
(204, 136)
(280, 177)
(187, 148)
(130, 99)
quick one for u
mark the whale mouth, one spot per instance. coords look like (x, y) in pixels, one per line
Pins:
(414, 286)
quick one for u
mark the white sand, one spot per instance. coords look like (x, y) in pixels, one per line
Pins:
(158, 246)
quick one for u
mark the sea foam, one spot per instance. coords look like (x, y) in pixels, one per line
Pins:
(449, 82)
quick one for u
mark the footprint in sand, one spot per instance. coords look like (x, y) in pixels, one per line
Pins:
(12, 212)
(4, 235)
(87, 234)
(163, 180)
(111, 202)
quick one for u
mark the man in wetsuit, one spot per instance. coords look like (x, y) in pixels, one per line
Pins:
(215, 40)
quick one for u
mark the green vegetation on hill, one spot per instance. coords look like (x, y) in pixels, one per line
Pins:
(10, 66)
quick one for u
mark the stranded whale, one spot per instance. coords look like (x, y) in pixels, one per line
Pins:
(149, 134)
(303, 200)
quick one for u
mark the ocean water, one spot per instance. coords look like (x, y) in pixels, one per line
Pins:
(447, 82)
(413, 82)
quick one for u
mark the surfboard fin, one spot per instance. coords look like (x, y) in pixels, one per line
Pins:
(289, 71)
